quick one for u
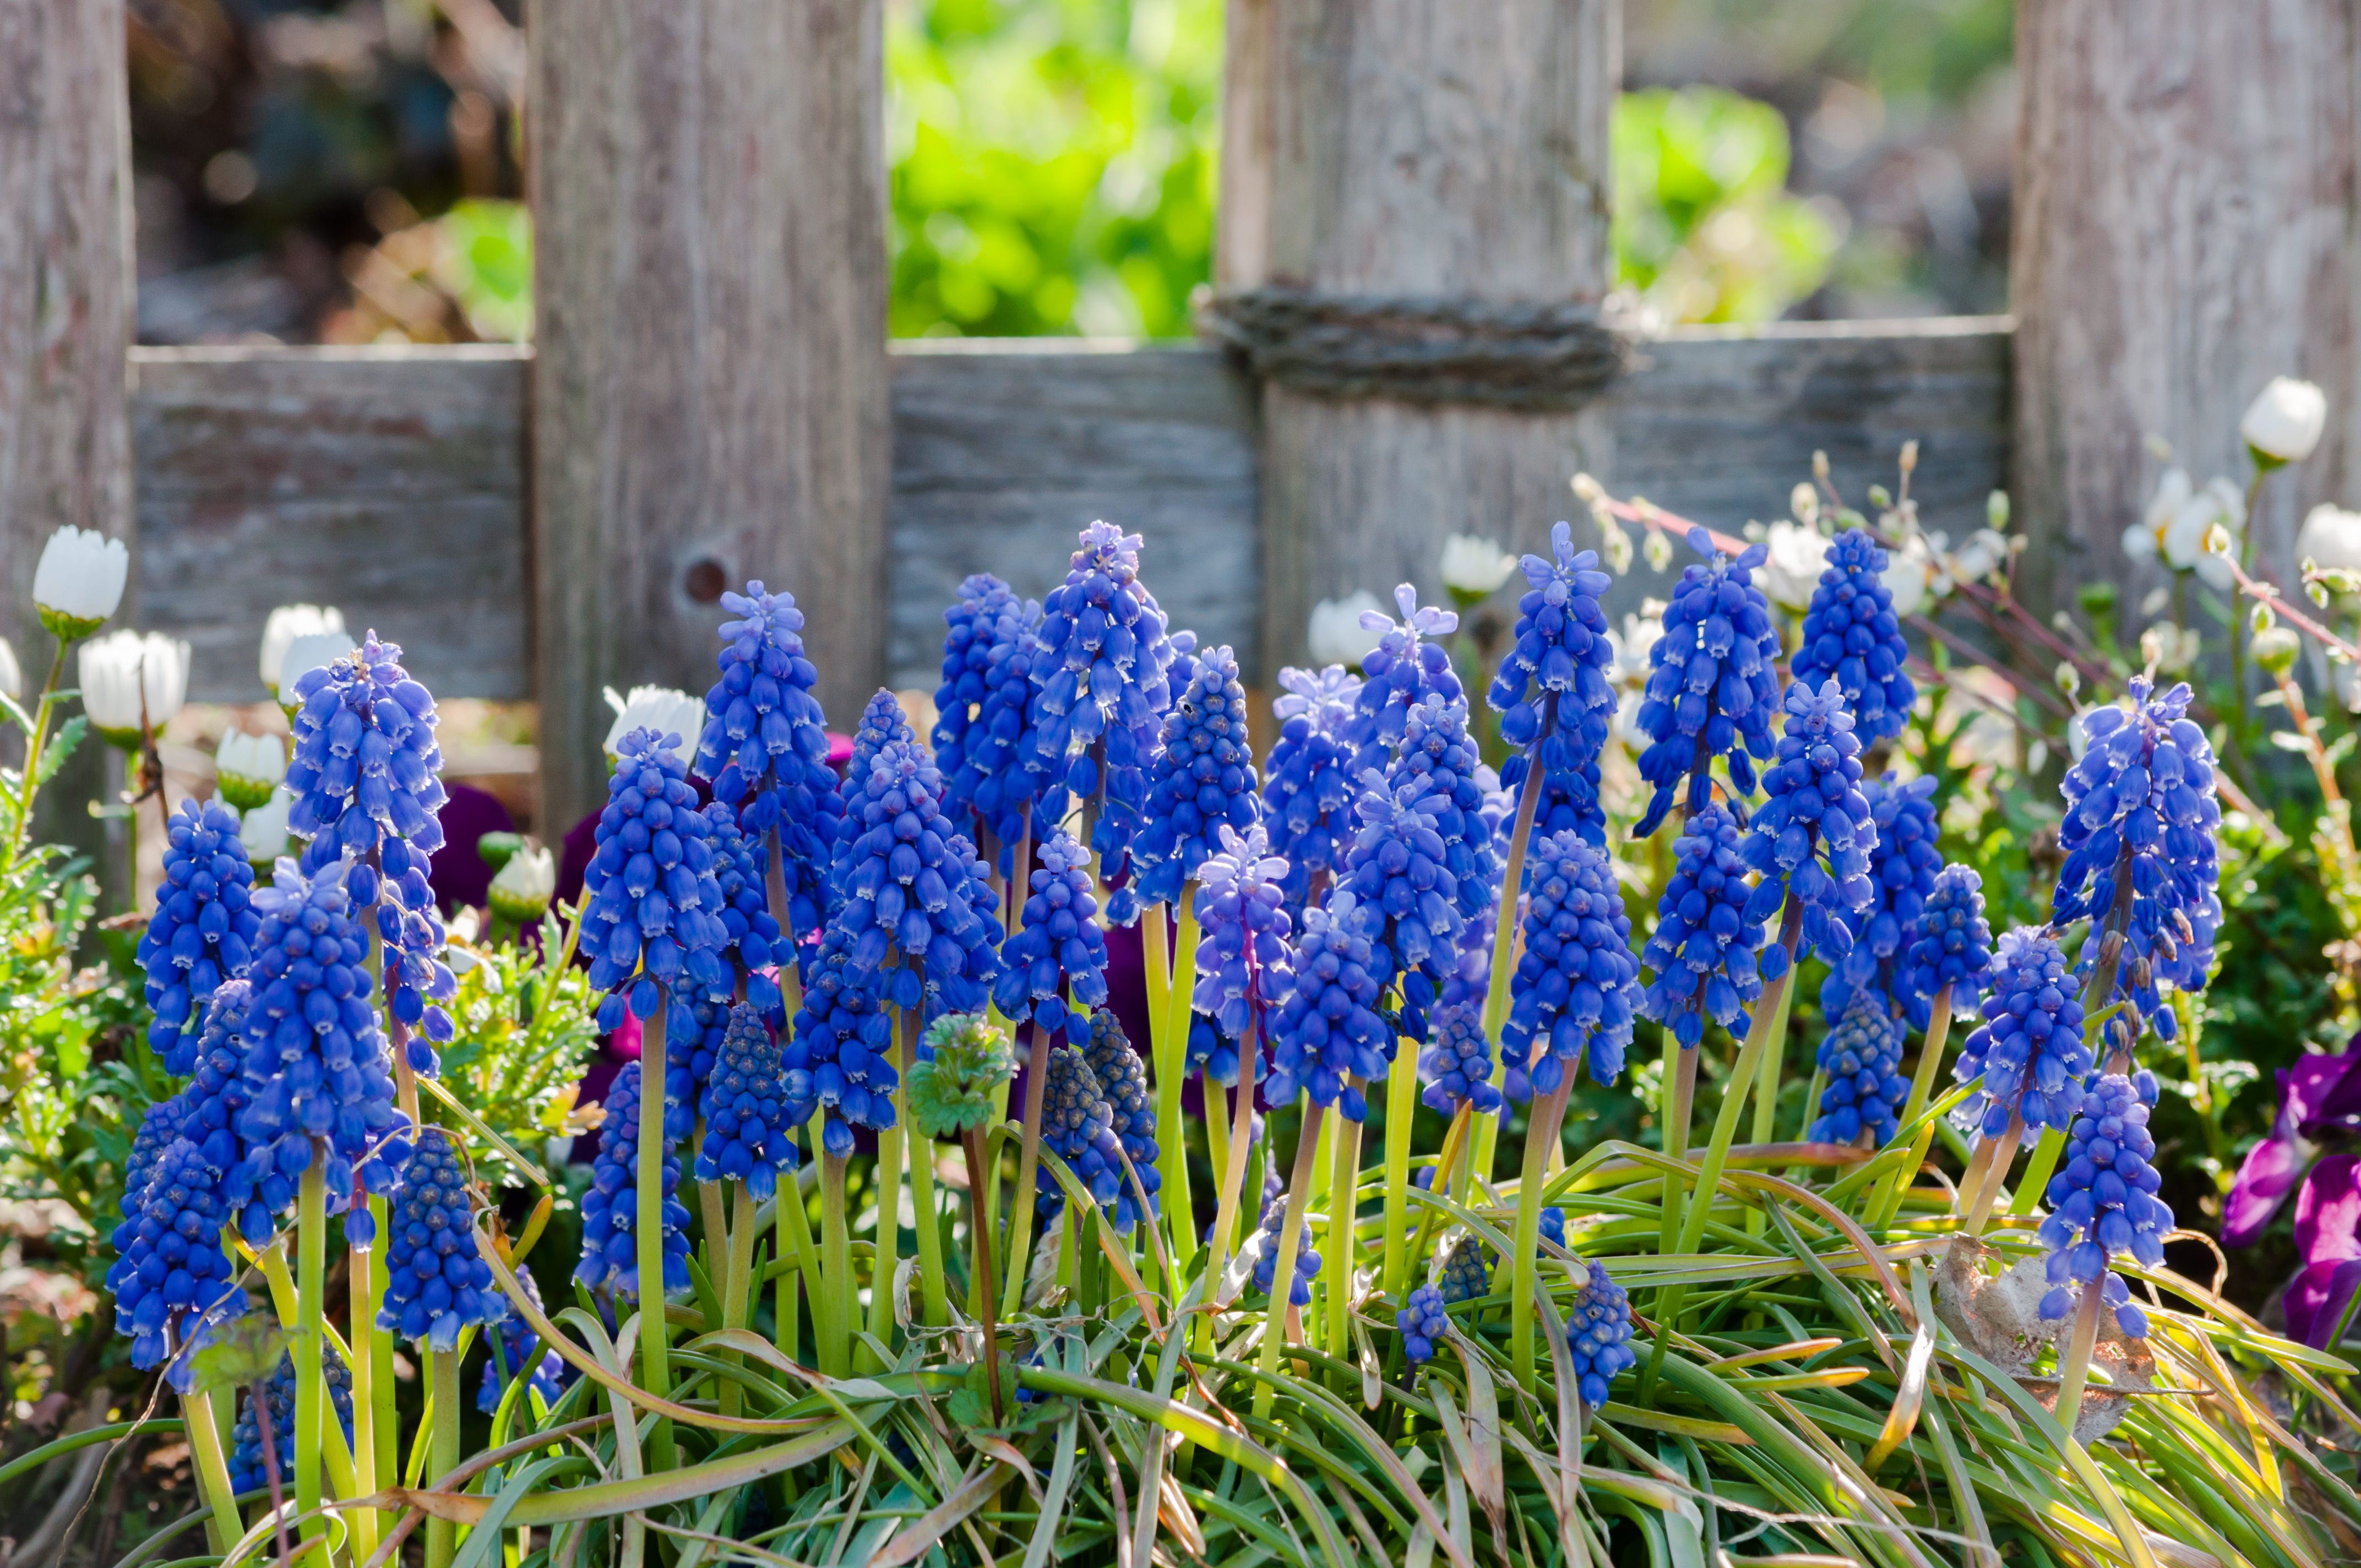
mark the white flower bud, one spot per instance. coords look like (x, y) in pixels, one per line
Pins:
(79, 582)
(246, 768)
(2284, 421)
(307, 651)
(263, 830)
(2330, 536)
(1588, 490)
(2276, 648)
(1473, 568)
(1797, 557)
(1659, 550)
(525, 886)
(1336, 635)
(1996, 511)
(285, 624)
(664, 709)
(1804, 503)
(2068, 678)
(119, 668)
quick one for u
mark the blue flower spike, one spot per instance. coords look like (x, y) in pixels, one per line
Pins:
(1712, 689)
(1326, 1032)
(1408, 667)
(611, 1258)
(202, 931)
(1201, 779)
(550, 1374)
(1122, 1078)
(2028, 1048)
(1552, 692)
(652, 906)
(1952, 944)
(1243, 953)
(1811, 841)
(1902, 864)
(170, 1267)
(2103, 1204)
(904, 872)
(749, 1121)
(1706, 952)
(1423, 1323)
(1852, 637)
(838, 1056)
(1573, 997)
(248, 1470)
(1598, 1335)
(1308, 783)
(983, 734)
(1078, 1126)
(1056, 960)
(1307, 1262)
(1861, 1058)
(437, 1280)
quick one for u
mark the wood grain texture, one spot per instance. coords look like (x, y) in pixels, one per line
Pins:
(389, 482)
(65, 285)
(709, 393)
(1449, 150)
(2185, 219)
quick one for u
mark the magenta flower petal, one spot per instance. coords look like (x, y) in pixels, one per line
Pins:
(2321, 1090)
(2316, 1299)
(2328, 1212)
(2267, 1176)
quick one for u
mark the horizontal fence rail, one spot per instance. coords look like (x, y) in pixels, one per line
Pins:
(392, 481)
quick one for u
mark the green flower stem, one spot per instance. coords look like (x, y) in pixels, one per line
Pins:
(709, 1209)
(380, 1350)
(1344, 1199)
(222, 1526)
(738, 1287)
(445, 1454)
(1543, 1126)
(1171, 1072)
(361, 1276)
(1323, 1162)
(1230, 1197)
(30, 785)
(2037, 1172)
(795, 1235)
(1994, 1175)
(1766, 1090)
(311, 1298)
(832, 1294)
(1888, 1201)
(1680, 1106)
(2074, 1360)
(1447, 1176)
(1028, 1164)
(980, 1235)
(934, 1291)
(1290, 1232)
(1217, 1139)
(1506, 940)
(1770, 1017)
(655, 1373)
(1402, 1112)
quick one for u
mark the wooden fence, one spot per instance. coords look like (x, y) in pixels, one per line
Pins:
(712, 397)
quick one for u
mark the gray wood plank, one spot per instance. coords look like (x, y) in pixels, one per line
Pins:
(392, 482)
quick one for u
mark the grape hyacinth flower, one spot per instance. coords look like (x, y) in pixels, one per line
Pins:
(609, 1210)
(749, 1122)
(2102, 1205)
(2028, 1049)
(170, 1265)
(881, 723)
(1438, 769)
(1423, 1323)
(2141, 821)
(836, 1057)
(206, 1112)
(1466, 1272)
(436, 1279)
(1852, 637)
(1573, 993)
(982, 736)
(1405, 669)
(1327, 1031)
(1457, 1061)
(1902, 864)
(1712, 687)
(903, 872)
(1123, 1082)
(652, 915)
(970, 631)
(1078, 1126)
(1200, 779)
(314, 1066)
(1552, 692)
(1308, 784)
(1103, 674)
(1951, 945)
(1307, 1262)
(753, 942)
(1057, 960)
(1405, 898)
(248, 1471)
(158, 1126)
(1704, 949)
(1811, 841)
(367, 776)
(1242, 955)
(547, 1376)
(765, 746)
(1862, 1057)
(1598, 1335)
(203, 928)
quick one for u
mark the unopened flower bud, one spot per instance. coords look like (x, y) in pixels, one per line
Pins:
(2096, 598)
(2070, 679)
(1658, 550)
(1880, 497)
(1804, 502)
(2276, 648)
(2284, 421)
(1820, 466)
(79, 581)
(246, 768)
(1909, 455)
(525, 886)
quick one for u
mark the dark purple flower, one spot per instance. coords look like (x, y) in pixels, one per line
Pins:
(2317, 1094)
(2328, 1234)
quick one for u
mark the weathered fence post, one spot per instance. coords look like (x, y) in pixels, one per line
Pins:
(65, 320)
(2185, 213)
(709, 384)
(1432, 253)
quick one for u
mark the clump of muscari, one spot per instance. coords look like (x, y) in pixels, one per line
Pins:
(1572, 996)
(1705, 948)
(1423, 1323)
(652, 915)
(749, 1121)
(1056, 962)
(1862, 1058)
(2103, 1203)
(610, 1212)
(1307, 1262)
(1200, 779)
(982, 734)
(1598, 1335)
(1404, 895)
(1553, 694)
(1326, 1031)
(1952, 946)
(1902, 864)
(2141, 824)
(904, 872)
(1309, 777)
(837, 1055)
(170, 1265)
(1851, 636)
(765, 746)
(437, 1281)
(248, 1471)
(1123, 1080)
(2028, 1049)
(1811, 839)
(1405, 669)
(203, 928)
(1712, 688)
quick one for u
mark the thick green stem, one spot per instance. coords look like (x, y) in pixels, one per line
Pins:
(1542, 1129)
(2038, 1170)
(737, 1294)
(934, 1287)
(444, 1452)
(832, 1293)
(794, 1237)
(655, 1374)
(31, 785)
(1446, 1174)
(362, 1283)
(1231, 1196)
(309, 1438)
(222, 1526)
(1283, 1276)
(1402, 1112)
(1028, 1164)
(1680, 1104)
(1994, 1176)
(386, 1429)
(1343, 1198)
(1922, 1087)
(1171, 1072)
(980, 1235)
(1766, 1090)
(2074, 1360)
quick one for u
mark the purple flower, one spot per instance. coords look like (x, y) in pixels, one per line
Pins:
(1201, 779)
(1852, 637)
(2328, 1234)
(2318, 1094)
(1308, 783)
(1711, 686)
(1812, 838)
(202, 931)
(1242, 958)
(1403, 671)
